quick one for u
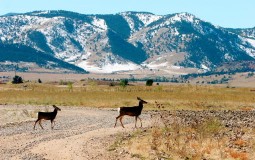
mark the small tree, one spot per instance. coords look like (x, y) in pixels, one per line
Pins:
(70, 86)
(149, 82)
(17, 80)
(123, 82)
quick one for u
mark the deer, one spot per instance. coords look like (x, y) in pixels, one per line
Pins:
(134, 111)
(47, 116)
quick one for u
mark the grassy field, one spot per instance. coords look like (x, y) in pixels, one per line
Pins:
(91, 94)
(208, 139)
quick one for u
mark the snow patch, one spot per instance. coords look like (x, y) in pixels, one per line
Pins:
(3, 38)
(157, 66)
(99, 23)
(108, 68)
(176, 67)
(205, 67)
(249, 51)
(228, 57)
(72, 58)
(251, 41)
(86, 56)
(183, 16)
(148, 18)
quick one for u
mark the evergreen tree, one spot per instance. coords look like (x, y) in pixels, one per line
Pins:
(17, 80)
(149, 82)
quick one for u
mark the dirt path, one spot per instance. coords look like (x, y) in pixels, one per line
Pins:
(80, 133)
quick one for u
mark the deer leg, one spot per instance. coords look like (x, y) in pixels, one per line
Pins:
(36, 122)
(52, 121)
(117, 120)
(140, 121)
(121, 121)
(135, 121)
(40, 124)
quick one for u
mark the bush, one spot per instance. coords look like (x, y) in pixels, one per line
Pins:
(149, 82)
(123, 82)
(70, 86)
(17, 80)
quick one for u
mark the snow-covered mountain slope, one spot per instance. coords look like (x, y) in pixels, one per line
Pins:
(127, 40)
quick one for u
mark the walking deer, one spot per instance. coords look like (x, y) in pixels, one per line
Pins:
(47, 116)
(134, 111)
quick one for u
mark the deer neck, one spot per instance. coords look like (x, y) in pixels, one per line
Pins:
(55, 111)
(141, 105)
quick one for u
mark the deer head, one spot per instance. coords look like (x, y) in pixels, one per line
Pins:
(141, 101)
(55, 107)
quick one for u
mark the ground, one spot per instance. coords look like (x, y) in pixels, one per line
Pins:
(79, 133)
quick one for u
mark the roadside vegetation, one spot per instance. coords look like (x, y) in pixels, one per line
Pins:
(209, 138)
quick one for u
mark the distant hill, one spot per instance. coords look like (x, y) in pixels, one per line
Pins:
(12, 55)
(122, 42)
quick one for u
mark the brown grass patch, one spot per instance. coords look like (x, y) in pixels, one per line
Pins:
(172, 97)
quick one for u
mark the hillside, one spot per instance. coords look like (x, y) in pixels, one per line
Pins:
(125, 41)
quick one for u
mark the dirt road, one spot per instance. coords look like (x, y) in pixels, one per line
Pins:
(80, 133)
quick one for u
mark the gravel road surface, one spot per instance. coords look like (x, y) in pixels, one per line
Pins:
(79, 133)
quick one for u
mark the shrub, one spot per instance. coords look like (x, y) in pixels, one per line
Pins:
(17, 80)
(149, 82)
(70, 86)
(123, 82)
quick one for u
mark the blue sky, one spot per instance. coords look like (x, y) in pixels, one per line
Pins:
(225, 13)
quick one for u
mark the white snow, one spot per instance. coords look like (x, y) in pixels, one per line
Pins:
(99, 23)
(130, 22)
(157, 66)
(176, 67)
(205, 67)
(249, 51)
(41, 12)
(148, 18)
(176, 32)
(108, 68)
(228, 57)
(3, 38)
(251, 41)
(176, 18)
(72, 58)
(163, 66)
(183, 16)
(86, 56)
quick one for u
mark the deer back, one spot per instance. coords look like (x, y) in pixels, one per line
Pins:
(131, 111)
(47, 115)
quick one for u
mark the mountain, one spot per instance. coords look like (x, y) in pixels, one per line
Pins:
(244, 32)
(23, 58)
(174, 43)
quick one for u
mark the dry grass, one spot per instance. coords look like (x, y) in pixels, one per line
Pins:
(202, 141)
(171, 96)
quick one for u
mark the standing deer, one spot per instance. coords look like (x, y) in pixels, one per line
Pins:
(47, 116)
(131, 111)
